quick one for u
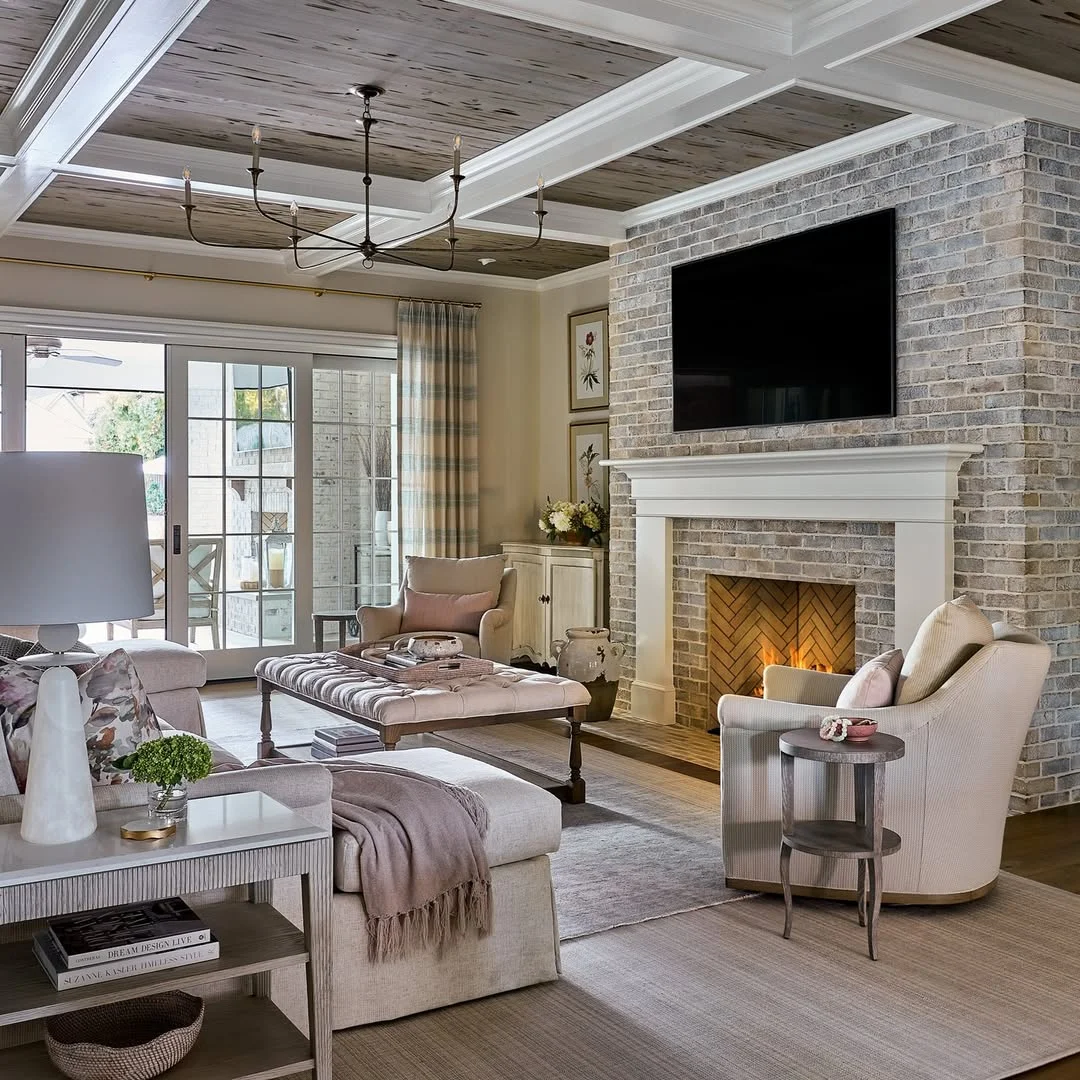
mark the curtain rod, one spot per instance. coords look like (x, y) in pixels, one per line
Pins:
(151, 275)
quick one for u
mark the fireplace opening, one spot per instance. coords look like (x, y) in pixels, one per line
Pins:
(758, 621)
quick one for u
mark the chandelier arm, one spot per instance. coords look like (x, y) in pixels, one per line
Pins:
(392, 254)
(320, 264)
(296, 225)
(508, 250)
(219, 244)
(431, 228)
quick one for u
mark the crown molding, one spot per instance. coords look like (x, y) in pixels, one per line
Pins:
(574, 277)
(806, 161)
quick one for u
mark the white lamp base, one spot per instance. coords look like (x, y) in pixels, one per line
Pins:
(59, 804)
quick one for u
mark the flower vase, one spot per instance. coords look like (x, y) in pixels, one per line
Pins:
(576, 537)
(167, 804)
(590, 657)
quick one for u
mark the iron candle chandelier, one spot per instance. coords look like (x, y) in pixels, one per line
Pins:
(368, 248)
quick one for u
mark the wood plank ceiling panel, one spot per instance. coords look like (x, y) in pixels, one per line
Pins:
(84, 204)
(1043, 35)
(547, 258)
(790, 121)
(447, 70)
(24, 25)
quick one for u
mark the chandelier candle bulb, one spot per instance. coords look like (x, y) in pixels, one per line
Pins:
(187, 185)
(457, 154)
(539, 194)
(256, 138)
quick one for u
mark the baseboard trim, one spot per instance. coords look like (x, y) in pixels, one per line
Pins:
(817, 893)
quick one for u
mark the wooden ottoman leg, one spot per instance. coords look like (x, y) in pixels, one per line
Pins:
(390, 738)
(576, 785)
(266, 721)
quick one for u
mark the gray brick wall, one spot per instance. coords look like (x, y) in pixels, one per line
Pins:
(988, 274)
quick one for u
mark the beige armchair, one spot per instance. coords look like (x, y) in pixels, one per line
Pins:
(948, 797)
(455, 577)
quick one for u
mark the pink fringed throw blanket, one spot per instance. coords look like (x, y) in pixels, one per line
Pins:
(424, 874)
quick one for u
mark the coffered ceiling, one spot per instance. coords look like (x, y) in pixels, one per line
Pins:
(766, 131)
(1043, 35)
(446, 70)
(632, 109)
(24, 25)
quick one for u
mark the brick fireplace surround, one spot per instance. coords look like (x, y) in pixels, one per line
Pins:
(988, 355)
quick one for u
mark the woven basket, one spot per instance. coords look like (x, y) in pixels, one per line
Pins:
(128, 1040)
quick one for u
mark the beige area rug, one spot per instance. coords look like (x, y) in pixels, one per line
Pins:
(646, 844)
(969, 993)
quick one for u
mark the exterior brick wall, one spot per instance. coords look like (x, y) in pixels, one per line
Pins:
(988, 275)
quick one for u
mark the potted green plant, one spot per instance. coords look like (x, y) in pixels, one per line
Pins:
(168, 764)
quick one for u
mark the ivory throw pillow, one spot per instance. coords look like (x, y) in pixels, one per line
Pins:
(119, 715)
(445, 611)
(873, 686)
(949, 636)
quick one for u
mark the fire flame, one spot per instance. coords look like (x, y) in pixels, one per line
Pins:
(796, 657)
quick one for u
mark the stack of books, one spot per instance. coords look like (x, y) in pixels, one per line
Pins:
(344, 741)
(114, 943)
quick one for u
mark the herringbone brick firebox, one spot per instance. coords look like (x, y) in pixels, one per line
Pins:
(757, 621)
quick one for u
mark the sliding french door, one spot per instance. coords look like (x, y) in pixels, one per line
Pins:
(238, 525)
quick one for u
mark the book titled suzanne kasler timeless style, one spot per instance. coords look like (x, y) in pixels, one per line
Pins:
(109, 934)
(67, 979)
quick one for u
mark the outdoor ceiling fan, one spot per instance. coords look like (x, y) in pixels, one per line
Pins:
(41, 349)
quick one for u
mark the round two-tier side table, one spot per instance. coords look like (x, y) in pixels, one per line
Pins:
(865, 838)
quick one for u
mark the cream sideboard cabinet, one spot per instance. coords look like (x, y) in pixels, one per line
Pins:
(558, 586)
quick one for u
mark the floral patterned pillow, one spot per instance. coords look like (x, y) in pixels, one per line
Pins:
(118, 712)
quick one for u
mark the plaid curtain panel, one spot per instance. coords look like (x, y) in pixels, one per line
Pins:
(437, 420)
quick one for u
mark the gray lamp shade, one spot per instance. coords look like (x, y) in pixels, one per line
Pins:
(73, 540)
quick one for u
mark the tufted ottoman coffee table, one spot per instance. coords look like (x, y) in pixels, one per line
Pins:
(508, 695)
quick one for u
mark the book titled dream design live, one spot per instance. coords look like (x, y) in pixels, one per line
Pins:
(117, 933)
(65, 979)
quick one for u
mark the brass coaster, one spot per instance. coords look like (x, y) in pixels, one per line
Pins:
(145, 829)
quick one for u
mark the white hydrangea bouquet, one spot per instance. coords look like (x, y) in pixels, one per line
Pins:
(573, 523)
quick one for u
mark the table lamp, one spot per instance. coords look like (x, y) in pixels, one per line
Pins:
(73, 548)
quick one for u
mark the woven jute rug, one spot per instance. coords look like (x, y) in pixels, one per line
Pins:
(976, 992)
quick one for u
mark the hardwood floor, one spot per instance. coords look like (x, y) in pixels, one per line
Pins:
(1045, 846)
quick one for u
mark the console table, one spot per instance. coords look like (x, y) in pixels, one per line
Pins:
(865, 838)
(228, 840)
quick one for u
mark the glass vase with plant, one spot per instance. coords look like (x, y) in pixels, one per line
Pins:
(574, 523)
(377, 457)
(168, 764)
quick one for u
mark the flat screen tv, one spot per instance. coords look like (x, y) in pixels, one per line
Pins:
(792, 330)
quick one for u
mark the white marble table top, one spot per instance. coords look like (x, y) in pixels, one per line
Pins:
(215, 825)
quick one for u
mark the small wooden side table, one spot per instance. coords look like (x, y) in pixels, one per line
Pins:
(865, 838)
(319, 619)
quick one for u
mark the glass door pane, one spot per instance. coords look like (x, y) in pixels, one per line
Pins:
(241, 470)
(354, 461)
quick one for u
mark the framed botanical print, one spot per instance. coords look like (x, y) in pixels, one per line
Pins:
(588, 447)
(589, 360)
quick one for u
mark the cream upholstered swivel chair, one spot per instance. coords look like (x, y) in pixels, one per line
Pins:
(948, 797)
(427, 602)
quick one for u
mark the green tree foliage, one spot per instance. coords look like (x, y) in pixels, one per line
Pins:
(132, 423)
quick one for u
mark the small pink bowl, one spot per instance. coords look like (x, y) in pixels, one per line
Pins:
(862, 731)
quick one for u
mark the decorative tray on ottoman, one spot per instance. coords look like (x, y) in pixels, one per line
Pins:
(419, 673)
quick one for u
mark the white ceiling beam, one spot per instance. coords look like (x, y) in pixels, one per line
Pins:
(871, 25)
(926, 75)
(745, 35)
(96, 54)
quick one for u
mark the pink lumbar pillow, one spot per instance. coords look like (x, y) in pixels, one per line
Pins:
(873, 686)
(445, 611)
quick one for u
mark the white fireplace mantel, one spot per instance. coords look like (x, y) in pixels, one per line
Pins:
(912, 486)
